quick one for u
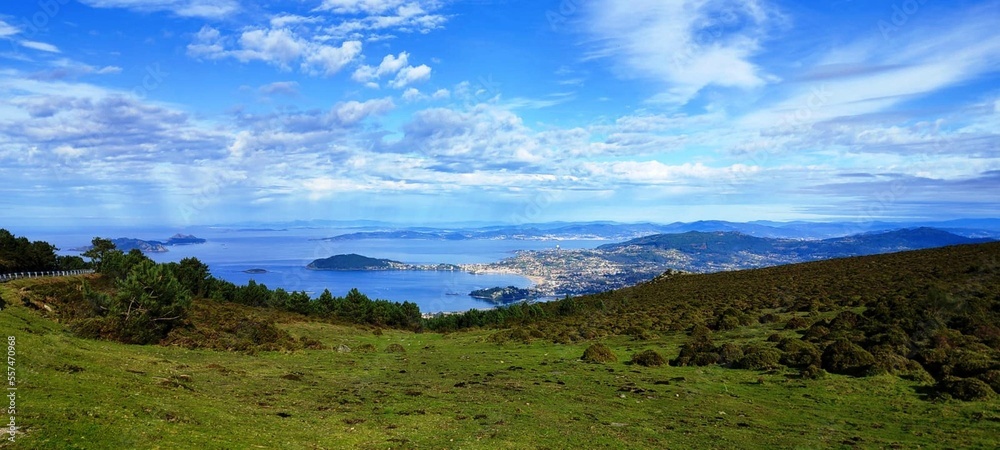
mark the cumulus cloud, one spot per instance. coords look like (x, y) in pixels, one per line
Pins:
(378, 19)
(410, 75)
(397, 65)
(280, 47)
(389, 65)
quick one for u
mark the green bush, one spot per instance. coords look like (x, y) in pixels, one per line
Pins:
(992, 378)
(729, 354)
(365, 348)
(816, 333)
(967, 389)
(799, 353)
(395, 348)
(845, 357)
(812, 372)
(640, 334)
(648, 358)
(769, 318)
(147, 304)
(758, 357)
(796, 323)
(887, 360)
(598, 353)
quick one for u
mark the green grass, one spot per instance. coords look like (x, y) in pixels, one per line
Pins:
(452, 391)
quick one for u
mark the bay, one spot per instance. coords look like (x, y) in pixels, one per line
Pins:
(283, 254)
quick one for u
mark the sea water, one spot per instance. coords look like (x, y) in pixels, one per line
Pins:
(284, 254)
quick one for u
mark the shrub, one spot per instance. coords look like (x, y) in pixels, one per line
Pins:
(845, 357)
(992, 378)
(887, 360)
(799, 353)
(846, 320)
(796, 323)
(729, 353)
(599, 353)
(648, 358)
(727, 323)
(757, 357)
(639, 334)
(967, 389)
(395, 348)
(311, 344)
(812, 372)
(365, 348)
(517, 334)
(768, 318)
(816, 333)
(148, 303)
(699, 349)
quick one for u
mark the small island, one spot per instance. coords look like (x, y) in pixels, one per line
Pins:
(127, 244)
(184, 239)
(502, 295)
(355, 262)
(255, 271)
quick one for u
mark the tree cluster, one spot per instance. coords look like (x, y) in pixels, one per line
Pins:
(18, 254)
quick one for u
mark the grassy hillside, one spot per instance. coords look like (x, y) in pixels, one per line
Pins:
(522, 385)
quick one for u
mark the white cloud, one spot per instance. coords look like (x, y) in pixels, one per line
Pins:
(375, 18)
(685, 45)
(412, 95)
(658, 173)
(352, 112)
(328, 60)
(441, 94)
(205, 9)
(409, 75)
(872, 76)
(405, 74)
(359, 6)
(7, 29)
(40, 46)
(284, 20)
(277, 46)
(289, 88)
(390, 64)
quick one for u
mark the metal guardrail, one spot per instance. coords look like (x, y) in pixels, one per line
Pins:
(4, 277)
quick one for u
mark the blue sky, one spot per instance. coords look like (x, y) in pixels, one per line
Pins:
(183, 112)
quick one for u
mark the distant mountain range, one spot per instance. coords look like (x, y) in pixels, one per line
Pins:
(733, 250)
(127, 244)
(974, 228)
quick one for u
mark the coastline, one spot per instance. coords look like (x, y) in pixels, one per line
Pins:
(538, 283)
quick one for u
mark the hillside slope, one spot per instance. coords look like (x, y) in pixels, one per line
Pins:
(522, 385)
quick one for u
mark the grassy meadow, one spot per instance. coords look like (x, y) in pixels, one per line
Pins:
(457, 390)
